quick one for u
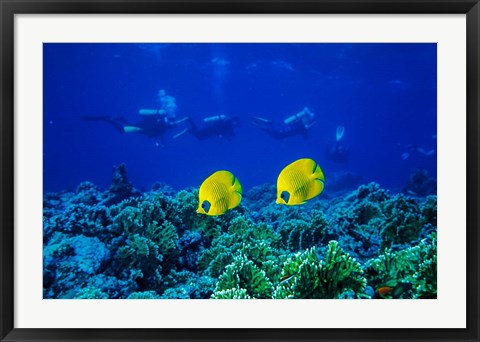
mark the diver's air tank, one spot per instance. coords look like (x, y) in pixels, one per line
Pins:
(151, 111)
(297, 116)
(148, 111)
(214, 118)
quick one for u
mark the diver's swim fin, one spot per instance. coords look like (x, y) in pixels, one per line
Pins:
(131, 129)
(180, 120)
(181, 133)
(256, 120)
(340, 132)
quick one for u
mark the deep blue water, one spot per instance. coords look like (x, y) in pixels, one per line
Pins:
(383, 94)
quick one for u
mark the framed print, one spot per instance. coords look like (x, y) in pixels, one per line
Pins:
(242, 170)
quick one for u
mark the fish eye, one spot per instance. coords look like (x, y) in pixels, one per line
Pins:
(206, 206)
(285, 195)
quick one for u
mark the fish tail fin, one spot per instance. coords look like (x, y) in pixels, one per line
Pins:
(237, 187)
(235, 199)
(319, 182)
(315, 189)
(236, 196)
(318, 173)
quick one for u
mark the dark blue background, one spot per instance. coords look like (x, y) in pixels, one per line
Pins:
(384, 95)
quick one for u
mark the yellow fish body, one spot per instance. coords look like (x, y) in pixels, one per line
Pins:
(299, 181)
(218, 193)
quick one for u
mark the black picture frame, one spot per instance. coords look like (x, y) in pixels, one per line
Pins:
(8, 10)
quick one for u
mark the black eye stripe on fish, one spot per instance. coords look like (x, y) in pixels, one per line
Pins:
(285, 196)
(206, 206)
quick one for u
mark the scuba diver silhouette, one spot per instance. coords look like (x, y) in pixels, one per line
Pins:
(154, 123)
(297, 124)
(214, 126)
(338, 152)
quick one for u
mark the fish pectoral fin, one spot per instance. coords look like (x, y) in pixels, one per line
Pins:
(235, 199)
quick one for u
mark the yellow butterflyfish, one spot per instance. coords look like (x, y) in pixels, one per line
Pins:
(299, 181)
(218, 193)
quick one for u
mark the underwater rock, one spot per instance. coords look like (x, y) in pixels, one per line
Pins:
(87, 193)
(163, 188)
(112, 286)
(420, 184)
(403, 221)
(91, 293)
(190, 246)
(121, 187)
(69, 262)
(371, 192)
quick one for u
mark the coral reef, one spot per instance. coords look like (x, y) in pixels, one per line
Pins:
(123, 243)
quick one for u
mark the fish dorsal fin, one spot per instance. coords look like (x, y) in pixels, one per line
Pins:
(309, 168)
(224, 177)
(305, 165)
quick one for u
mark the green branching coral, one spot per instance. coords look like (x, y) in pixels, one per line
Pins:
(424, 280)
(258, 242)
(328, 278)
(139, 260)
(134, 214)
(164, 236)
(302, 234)
(231, 294)
(416, 265)
(242, 275)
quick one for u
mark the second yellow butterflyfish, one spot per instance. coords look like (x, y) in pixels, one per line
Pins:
(218, 193)
(299, 181)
